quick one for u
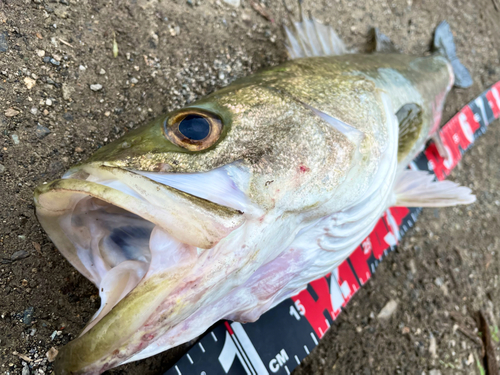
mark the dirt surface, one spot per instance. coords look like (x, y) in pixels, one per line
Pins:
(173, 52)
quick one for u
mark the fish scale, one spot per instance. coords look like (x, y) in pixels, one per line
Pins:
(284, 336)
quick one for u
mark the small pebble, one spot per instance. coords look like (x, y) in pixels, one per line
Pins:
(78, 149)
(15, 139)
(41, 131)
(46, 59)
(48, 102)
(54, 62)
(2, 169)
(433, 346)
(387, 310)
(34, 110)
(40, 52)
(82, 68)
(134, 80)
(234, 3)
(51, 354)
(67, 90)
(96, 87)
(11, 112)
(102, 72)
(21, 254)
(28, 315)
(29, 82)
(4, 46)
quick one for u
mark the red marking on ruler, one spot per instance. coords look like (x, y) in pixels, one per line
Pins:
(228, 327)
(315, 310)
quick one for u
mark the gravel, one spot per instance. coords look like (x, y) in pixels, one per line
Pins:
(41, 131)
(28, 315)
(4, 46)
(96, 87)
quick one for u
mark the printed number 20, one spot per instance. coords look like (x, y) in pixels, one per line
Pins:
(298, 306)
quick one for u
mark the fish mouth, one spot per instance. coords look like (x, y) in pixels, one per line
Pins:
(133, 237)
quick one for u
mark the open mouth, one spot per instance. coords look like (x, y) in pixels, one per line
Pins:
(108, 222)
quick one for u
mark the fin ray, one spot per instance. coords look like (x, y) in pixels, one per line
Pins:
(420, 189)
(312, 38)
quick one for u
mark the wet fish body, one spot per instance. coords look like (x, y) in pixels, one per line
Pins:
(226, 207)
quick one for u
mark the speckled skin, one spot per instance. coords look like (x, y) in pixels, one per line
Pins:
(300, 169)
(270, 131)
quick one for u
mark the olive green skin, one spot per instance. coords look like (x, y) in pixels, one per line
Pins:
(266, 125)
(325, 83)
(297, 162)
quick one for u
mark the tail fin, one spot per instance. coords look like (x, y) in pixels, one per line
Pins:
(445, 46)
(311, 38)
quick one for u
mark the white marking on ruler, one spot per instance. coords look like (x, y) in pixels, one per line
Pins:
(287, 370)
(320, 332)
(307, 350)
(327, 322)
(215, 337)
(178, 371)
(229, 352)
(297, 360)
(201, 347)
(244, 359)
(479, 102)
(314, 338)
(494, 91)
(249, 349)
(190, 359)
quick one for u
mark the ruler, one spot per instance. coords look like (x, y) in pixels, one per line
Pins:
(285, 335)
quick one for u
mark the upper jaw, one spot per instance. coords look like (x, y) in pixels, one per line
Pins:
(188, 218)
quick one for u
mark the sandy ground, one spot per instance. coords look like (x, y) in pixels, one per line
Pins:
(173, 52)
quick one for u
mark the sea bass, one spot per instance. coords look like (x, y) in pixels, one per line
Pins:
(226, 207)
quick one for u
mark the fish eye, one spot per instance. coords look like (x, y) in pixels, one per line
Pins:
(193, 129)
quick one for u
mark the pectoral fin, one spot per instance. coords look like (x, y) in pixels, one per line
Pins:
(410, 124)
(420, 189)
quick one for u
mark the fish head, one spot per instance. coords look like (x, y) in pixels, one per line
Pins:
(172, 218)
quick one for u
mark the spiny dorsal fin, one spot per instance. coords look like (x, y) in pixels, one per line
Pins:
(382, 42)
(410, 124)
(311, 38)
(420, 189)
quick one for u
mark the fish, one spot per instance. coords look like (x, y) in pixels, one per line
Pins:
(224, 208)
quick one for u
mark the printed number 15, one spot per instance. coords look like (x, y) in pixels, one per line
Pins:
(298, 306)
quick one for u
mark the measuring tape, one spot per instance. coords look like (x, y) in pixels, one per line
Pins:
(285, 335)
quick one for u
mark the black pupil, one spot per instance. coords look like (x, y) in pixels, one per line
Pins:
(194, 127)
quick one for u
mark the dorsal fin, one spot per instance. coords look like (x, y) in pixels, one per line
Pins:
(382, 43)
(311, 38)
